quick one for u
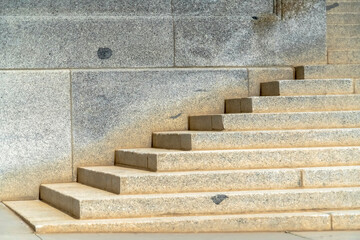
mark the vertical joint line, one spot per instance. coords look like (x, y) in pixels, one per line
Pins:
(302, 178)
(71, 128)
(331, 221)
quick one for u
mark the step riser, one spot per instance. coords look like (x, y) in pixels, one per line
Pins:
(336, 31)
(307, 87)
(264, 139)
(328, 71)
(207, 203)
(295, 104)
(344, 7)
(343, 43)
(261, 121)
(242, 159)
(344, 18)
(343, 57)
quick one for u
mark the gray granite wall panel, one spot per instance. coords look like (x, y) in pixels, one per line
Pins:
(35, 135)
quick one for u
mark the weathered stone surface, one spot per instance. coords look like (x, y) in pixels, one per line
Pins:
(328, 71)
(275, 121)
(344, 56)
(46, 219)
(201, 140)
(174, 160)
(307, 87)
(343, 18)
(343, 7)
(244, 41)
(335, 30)
(89, 203)
(122, 180)
(61, 42)
(35, 131)
(261, 75)
(121, 108)
(346, 220)
(223, 7)
(85, 7)
(272, 104)
(331, 176)
(357, 86)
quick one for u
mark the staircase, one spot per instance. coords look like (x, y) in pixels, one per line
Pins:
(286, 161)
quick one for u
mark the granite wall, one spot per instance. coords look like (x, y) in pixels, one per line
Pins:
(79, 79)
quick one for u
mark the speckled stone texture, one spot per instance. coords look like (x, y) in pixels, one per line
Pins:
(85, 202)
(174, 160)
(254, 40)
(343, 18)
(198, 140)
(307, 87)
(328, 71)
(357, 86)
(344, 56)
(346, 220)
(37, 214)
(275, 121)
(121, 108)
(122, 180)
(274, 104)
(60, 42)
(35, 131)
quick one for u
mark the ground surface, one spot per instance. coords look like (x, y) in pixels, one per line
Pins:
(12, 227)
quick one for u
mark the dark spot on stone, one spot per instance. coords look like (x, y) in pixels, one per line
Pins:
(334, 5)
(176, 116)
(200, 90)
(104, 53)
(255, 17)
(217, 199)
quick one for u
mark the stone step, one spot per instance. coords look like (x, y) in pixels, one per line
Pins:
(342, 7)
(193, 140)
(46, 219)
(85, 202)
(122, 180)
(275, 121)
(340, 30)
(307, 87)
(293, 104)
(328, 71)
(343, 43)
(175, 160)
(344, 57)
(343, 18)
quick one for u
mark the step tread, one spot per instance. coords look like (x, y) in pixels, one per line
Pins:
(44, 218)
(328, 71)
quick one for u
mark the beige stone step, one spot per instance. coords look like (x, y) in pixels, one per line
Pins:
(46, 219)
(344, 56)
(122, 180)
(343, 176)
(307, 87)
(272, 104)
(275, 121)
(328, 71)
(85, 202)
(342, 7)
(345, 220)
(343, 43)
(206, 140)
(174, 160)
(343, 18)
(342, 30)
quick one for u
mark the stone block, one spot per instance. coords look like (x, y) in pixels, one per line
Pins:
(328, 71)
(35, 131)
(37, 214)
(343, 7)
(173, 160)
(307, 87)
(200, 140)
(115, 109)
(316, 103)
(344, 56)
(122, 180)
(343, 43)
(84, 202)
(331, 176)
(346, 220)
(343, 18)
(357, 86)
(275, 121)
(336, 31)
(223, 7)
(261, 75)
(266, 40)
(85, 42)
(85, 8)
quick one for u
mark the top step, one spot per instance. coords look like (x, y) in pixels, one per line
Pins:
(307, 87)
(328, 71)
